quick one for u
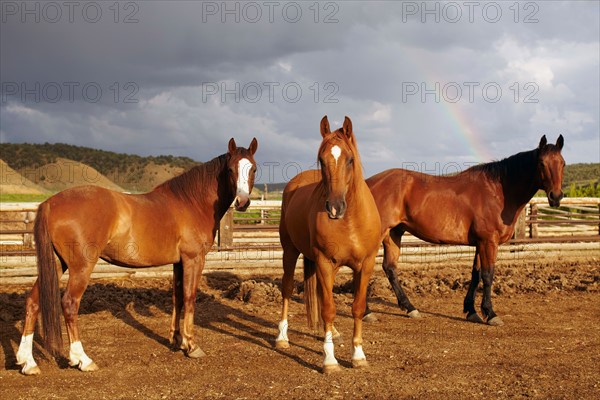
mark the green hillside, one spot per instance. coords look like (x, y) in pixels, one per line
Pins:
(126, 170)
(582, 180)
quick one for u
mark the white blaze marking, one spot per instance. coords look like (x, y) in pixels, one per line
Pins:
(336, 152)
(243, 180)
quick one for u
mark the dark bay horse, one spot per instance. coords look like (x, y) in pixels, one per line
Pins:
(478, 207)
(173, 224)
(330, 217)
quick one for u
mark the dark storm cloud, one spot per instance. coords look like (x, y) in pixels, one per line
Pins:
(181, 81)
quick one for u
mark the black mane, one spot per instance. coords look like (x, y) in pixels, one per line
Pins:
(508, 167)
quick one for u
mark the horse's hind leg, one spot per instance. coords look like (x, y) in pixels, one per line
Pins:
(487, 254)
(25, 352)
(391, 253)
(79, 276)
(175, 334)
(290, 257)
(469, 303)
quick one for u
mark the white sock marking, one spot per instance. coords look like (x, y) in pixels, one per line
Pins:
(283, 327)
(77, 356)
(25, 353)
(336, 152)
(358, 353)
(329, 349)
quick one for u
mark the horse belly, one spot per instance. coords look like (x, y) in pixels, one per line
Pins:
(138, 241)
(446, 228)
(130, 252)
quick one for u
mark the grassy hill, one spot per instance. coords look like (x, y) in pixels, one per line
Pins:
(13, 182)
(135, 173)
(131, 172)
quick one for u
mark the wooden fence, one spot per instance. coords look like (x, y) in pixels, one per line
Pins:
(249, 241)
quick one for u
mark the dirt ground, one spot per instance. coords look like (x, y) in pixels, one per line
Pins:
(549, 346)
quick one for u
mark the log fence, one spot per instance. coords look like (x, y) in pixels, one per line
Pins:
(249, 241)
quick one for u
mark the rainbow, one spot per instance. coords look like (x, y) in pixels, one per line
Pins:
(467, 132)
(453, 112)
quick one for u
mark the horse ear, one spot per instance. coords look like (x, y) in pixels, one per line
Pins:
(560, 142)
(325, 130)
(232, 147)
(253, 146)
(543, 142)
(347, 127)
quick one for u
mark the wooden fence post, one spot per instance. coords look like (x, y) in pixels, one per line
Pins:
(520, 226)
(226, 230)
(28, 237)
(533, 226)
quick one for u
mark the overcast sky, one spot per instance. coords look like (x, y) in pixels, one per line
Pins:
(433, 86)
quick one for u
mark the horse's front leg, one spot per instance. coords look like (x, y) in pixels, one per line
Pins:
(325, 277)
(174, 333)
(487, 254)
(362, 274)
(192, 271)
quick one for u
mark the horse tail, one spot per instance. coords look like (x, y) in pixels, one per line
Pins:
(50, 306)
(312, 298)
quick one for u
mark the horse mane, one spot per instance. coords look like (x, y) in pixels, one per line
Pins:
(508, 167)
(192, 185)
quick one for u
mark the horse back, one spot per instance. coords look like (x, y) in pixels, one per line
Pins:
(298, 196)
(439, 209)
(121, 228)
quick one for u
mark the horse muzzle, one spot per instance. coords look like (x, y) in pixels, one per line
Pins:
(335, 209)
(241, 203)
(554, 198)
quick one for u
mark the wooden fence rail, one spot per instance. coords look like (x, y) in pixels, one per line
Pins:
(577, 220)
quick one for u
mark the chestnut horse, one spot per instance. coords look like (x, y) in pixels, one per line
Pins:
(478, 207)
(331, 218)
(173, 224)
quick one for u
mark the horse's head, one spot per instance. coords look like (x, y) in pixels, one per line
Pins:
(241, 168)
(338, 159)
(550, 169)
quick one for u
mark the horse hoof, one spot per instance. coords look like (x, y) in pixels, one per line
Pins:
(415, 314)
(474, 318)
(370, 317)
(360, 363)
(196, 353)
(282, 344)
(331, 368)
(35, 370)
(496, 321)
(91, 367)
